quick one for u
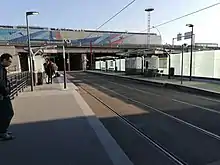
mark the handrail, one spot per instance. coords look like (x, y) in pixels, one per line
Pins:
(18, 82)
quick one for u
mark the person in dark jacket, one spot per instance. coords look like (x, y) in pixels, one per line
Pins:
(49, 70)
(46, 69)
(6, 109)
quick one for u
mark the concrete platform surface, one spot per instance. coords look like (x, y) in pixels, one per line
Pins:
(56, 127)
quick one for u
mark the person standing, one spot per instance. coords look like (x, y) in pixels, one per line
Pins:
(55, 68)
(6, 110)
(46, 69)
(49, 70)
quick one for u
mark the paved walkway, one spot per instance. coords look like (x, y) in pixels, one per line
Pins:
(56, 127)
(206, 85)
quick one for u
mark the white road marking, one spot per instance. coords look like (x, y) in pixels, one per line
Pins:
(165, 114)
(179, 101)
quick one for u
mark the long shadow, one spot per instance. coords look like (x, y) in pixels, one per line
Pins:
(56, 142)
(179, 138)
(194, 115)
(172, 94)
(77, 80)
(73, 141)
(70, 141)
(194, 149)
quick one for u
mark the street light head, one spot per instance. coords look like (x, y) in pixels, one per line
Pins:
(32, 13)
(149, 9)
(189, 25)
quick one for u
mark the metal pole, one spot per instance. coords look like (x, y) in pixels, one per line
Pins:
(169, 63)
(182, 65)
(120, 64)
(190, 73)
(100, 64)
(169, 66)
(30, 54)
(173, 42)
(64, 67)
(91, 55)
(148, 31)
(68, 61)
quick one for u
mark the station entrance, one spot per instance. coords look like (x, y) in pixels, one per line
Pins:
(24, 61)
(75, 61)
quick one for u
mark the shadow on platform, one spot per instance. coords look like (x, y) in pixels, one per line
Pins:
(70, 142)
(55, 142)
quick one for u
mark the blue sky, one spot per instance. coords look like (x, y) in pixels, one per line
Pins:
(89, 14)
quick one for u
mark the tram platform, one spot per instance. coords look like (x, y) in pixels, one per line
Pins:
(54, 126)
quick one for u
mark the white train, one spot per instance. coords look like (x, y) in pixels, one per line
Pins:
(206, 64)
(134, 65)
(110, 65)
(129, 65)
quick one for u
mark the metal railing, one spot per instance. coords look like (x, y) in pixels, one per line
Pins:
(18, 82)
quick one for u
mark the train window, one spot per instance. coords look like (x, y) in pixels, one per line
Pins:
(111, 63)
(163, 63)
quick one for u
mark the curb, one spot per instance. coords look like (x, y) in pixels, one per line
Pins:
(153, 83)
(182, 88)
(193, 90)
(113, 150)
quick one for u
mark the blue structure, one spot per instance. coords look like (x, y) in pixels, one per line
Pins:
(18, 34)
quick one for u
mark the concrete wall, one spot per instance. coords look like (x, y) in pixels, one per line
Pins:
(204, 64)
(217, 64)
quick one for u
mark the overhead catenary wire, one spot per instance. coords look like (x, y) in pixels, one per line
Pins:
(125, 7)
(155, 26)
(175, 19)
(186, 15)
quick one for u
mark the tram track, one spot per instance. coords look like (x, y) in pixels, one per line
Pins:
(143, 135)
(166, 147)
(203, 108)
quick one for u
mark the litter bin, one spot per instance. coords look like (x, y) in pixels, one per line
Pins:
(40, 78)
(172, 72)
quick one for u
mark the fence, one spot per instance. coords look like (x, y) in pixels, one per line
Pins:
(18, 82)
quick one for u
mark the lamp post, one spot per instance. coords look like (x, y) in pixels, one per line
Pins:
(183, 46)
(190, 71)
(64, 63)
(29, 47)
(169, 61)
(91, 56)
(68, 61)
(149, 10)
